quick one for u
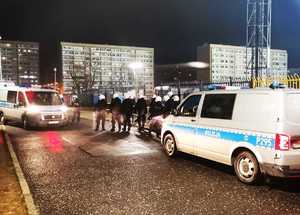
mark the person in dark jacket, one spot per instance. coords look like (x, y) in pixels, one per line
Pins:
(115, 108)
(141, 110)
(100, 110)
(168, 103)
(158, 107)
(151, 106)
(127, 108)
(176, 102)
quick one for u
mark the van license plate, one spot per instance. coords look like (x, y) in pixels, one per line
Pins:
(53, 122)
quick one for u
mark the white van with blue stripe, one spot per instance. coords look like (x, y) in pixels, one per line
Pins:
(32, 107)
(256, 130)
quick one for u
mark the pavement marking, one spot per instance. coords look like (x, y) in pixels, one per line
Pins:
(97, 134)
(31, 207)
(69, 141)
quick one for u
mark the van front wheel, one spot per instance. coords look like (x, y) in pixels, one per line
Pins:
(170, 145)
(25, 123)
(246, 168)
(2, 119)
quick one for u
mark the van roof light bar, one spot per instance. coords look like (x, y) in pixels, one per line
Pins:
(277, 85)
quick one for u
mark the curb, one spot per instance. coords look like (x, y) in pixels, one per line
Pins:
(31, 208)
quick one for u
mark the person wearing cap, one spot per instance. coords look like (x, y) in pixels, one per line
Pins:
(141, 110)
(100, 109)
(115, 108)
(127, 108)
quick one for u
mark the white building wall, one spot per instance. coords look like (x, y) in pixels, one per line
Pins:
(110, 64)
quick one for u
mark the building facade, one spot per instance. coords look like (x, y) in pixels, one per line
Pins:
(20, 62)
(107, 69)
(230, 62)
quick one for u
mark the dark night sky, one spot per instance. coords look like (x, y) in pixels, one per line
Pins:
(173, 27)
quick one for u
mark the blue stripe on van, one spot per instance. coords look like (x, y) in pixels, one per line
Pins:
(258, 140)
(6, 104)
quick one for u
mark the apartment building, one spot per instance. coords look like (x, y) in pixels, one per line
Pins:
(19, 62)
(107, 68)
(227, 61)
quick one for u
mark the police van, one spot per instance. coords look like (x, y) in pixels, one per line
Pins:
(31, 106)
(257, 131)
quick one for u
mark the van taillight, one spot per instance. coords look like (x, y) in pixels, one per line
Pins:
(295, 142)
(282, 142)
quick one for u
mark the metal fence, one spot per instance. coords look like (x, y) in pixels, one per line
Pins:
(292, 81)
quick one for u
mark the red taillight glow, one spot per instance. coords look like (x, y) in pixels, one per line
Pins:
(282, 142)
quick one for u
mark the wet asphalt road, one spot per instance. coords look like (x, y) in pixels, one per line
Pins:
(79, 171)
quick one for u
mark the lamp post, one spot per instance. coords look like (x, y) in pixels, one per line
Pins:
(55, 70)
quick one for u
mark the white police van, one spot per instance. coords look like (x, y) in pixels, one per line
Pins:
(32, 106)
(256, 130)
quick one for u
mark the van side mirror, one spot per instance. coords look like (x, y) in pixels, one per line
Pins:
(21, 104)
(174, 112)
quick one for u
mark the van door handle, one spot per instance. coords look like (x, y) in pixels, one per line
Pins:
(193, 120)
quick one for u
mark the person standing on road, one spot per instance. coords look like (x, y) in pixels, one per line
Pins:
(115, 108)
(100, 109)
(141, 109)
(127, 111)
(76, 111)
(151, 106)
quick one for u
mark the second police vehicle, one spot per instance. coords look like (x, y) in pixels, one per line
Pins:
(257, 131)
(32, 106)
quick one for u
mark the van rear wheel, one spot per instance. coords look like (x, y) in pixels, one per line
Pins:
(246, 168)
(170, 145)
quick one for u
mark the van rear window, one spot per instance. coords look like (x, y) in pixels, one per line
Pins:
(218, 106)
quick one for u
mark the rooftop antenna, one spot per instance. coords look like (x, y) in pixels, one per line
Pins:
(258, 47)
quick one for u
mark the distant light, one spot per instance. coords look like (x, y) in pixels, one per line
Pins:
(8, 45)
(3, 58)
(136, 65)
(197, 64)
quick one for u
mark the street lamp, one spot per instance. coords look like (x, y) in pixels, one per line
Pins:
(197, 65)
(136, 66)
(193, 64)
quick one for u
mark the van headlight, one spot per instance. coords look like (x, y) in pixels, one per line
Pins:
(64, 109)
(33, 109)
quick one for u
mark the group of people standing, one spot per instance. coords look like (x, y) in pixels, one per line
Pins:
(122, 111)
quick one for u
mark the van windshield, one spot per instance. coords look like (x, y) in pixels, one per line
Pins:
(43, 98)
